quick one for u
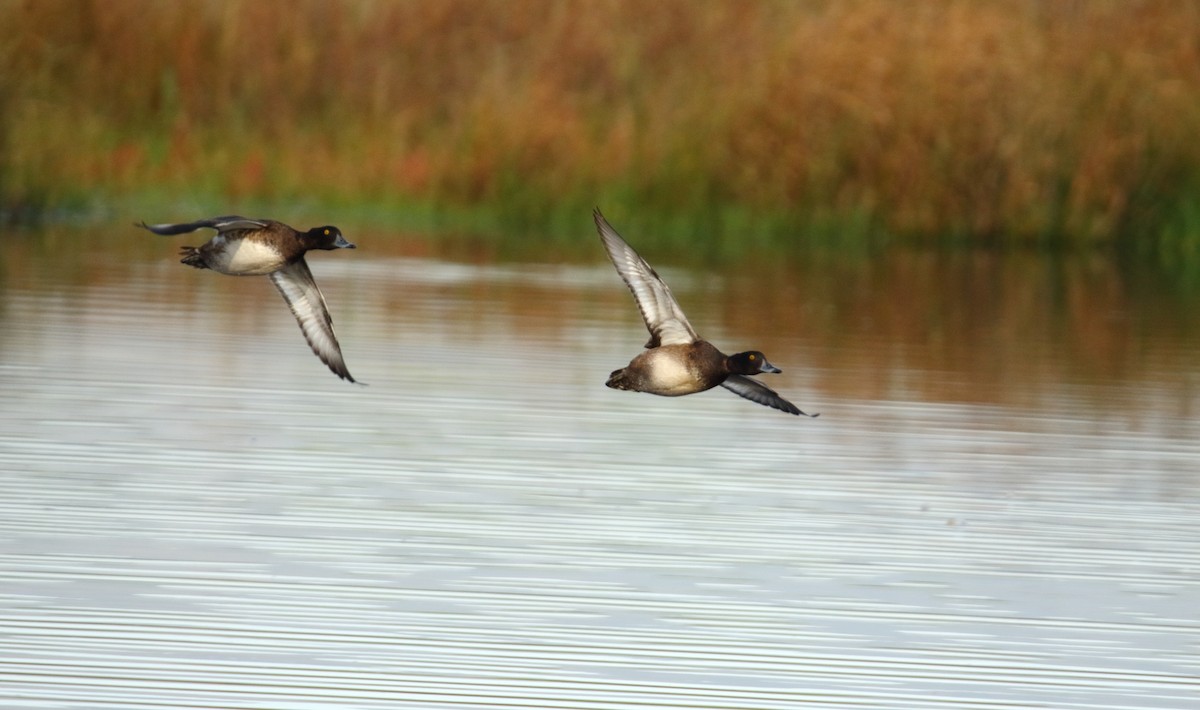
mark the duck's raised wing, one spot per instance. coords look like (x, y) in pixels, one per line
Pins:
(296, 283)
(228, 223)
(758, 392)
(664, 318)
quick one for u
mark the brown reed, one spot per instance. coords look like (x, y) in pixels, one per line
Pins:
(1006, 120)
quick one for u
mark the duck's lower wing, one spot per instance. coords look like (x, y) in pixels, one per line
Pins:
(221, 224)
(758, 392)
(296, 283)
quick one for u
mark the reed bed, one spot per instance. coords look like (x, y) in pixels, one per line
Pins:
(996, 120)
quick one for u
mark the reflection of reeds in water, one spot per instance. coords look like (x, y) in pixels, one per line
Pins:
(1006, 119)
(967, 326)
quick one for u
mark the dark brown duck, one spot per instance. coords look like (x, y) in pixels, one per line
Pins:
(264, 247)
(677, 361)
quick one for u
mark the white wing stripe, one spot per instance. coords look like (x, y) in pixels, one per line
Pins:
(663, 316)
(296, 284)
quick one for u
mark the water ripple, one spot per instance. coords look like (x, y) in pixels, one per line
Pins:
(487, 526)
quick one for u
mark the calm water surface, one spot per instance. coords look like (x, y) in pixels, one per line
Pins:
(998, 508)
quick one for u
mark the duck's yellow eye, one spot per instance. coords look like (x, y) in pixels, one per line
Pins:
(327, 232)
(752, 358)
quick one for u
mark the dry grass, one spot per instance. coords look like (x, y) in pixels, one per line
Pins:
(995, 119)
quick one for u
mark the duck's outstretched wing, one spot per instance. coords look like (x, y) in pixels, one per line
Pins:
(296, 283)
(758, 392)
(221, 224)
(663, 316)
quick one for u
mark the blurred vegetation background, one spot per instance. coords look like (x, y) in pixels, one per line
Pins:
(990, 121)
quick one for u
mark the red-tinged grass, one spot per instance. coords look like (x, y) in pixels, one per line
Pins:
(1001, 120)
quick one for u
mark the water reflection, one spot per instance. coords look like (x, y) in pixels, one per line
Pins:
(996, 509)
(953, 326)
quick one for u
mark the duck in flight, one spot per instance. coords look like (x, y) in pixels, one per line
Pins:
(258, 247)
(677, 361)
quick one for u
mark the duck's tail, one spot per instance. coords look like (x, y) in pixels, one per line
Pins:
(619, 380)
(191, 257)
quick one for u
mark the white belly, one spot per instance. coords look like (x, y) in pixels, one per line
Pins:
(667, 376)
(244, 258)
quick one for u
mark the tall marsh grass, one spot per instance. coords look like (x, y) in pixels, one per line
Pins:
(1004, 120)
